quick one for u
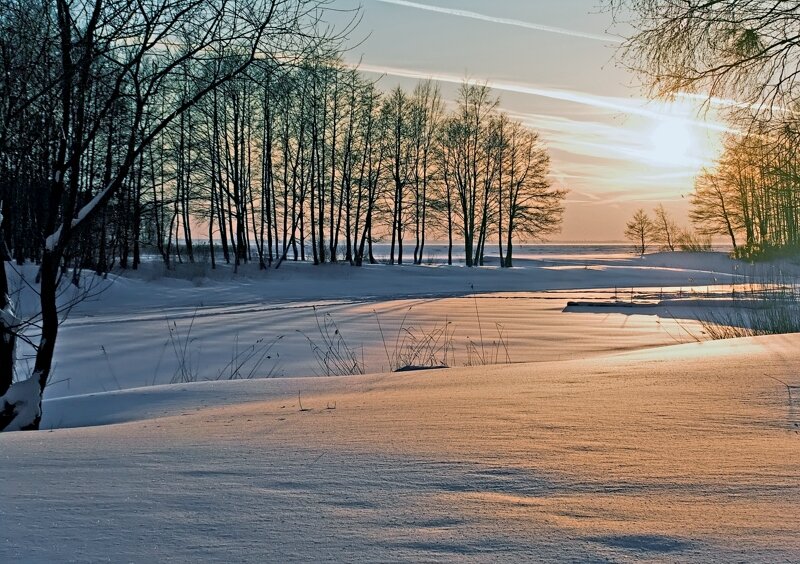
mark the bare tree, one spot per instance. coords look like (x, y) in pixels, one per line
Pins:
(665, 229)
(713, 208)
(9, 324)
(529, 207)
(397, 109)
(469, 166)
(427, 116)
(640, 230)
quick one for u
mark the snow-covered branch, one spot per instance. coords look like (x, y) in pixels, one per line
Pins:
(53, 240)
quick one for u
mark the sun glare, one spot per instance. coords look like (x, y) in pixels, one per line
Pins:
(673, 143)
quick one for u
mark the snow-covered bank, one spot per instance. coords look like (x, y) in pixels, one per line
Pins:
(121, 338)
(678, 453)
(190, 286)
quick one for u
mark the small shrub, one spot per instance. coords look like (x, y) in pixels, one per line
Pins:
(770, 307)
(419, 348)
(692, 242)
(334, 356)
(765, 252)
(246, 362)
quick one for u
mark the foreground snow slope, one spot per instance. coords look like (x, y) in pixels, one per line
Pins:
(678, 453)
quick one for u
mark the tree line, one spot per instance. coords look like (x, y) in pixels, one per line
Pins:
(752, 195)
(129, 128)
(88, 90)
(661, 230)
(308, 161)
(742, 56)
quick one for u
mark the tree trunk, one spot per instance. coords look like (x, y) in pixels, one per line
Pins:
(8, 330)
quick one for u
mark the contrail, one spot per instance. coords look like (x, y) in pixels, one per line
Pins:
(504, 21)
(728, 103)
(600, 102)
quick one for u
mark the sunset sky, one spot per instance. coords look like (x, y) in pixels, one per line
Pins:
(552, 63)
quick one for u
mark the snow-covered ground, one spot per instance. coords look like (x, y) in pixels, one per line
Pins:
(607, 441)
(127, 334)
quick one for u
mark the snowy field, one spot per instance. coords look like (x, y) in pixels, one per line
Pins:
(602, 436)
(155, 327)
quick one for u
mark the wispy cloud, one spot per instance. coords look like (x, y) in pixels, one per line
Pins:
(606, 157)
(597, 153)
(626, 106)
(503, 21)
(729, 103)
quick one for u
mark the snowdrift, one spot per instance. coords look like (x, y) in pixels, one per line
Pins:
(682, 453)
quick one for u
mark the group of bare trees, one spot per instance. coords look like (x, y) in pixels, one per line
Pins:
(493, 175)
(88, 89)
(312, 162)
(318, 164)
(308, 161)
(661, 230)
(752, 196)
(154, 126)
(744, 56)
